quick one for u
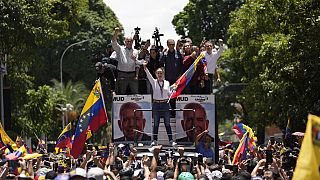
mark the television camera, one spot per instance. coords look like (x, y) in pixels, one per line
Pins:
(136, 38)
(156, 36)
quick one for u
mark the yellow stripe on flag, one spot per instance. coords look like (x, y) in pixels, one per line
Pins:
(67, 128)
(93, 97)
(197, 60)
(5, 138)
(32, 156)
(308, 163)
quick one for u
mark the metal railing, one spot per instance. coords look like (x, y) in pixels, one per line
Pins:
(135, 120)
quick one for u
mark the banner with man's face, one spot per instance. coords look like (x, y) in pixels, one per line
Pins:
(123, 125)
(204, 115)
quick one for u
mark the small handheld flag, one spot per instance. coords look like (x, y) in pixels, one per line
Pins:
(64, 139)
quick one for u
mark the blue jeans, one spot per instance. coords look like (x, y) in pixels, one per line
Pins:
(156, 117)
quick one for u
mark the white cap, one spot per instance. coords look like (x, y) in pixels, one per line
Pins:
(96, 173)
(78, 172)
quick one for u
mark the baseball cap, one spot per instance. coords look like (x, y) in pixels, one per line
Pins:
(78, 172)
(185, 176)
(95, 173)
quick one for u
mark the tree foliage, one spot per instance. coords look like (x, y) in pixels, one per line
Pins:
(273, 49)
(33, 35)
(95, 23)
(74, 93)
(205, 19)
(41, 114)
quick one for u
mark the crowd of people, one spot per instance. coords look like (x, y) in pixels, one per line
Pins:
(152, 70)
(275, 160)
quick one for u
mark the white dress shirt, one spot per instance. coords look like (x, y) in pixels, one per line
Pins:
(126, 62)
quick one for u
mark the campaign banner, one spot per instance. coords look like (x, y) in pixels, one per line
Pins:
(123, 125)
(204, 115)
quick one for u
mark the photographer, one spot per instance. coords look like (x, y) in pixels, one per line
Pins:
(105, 67)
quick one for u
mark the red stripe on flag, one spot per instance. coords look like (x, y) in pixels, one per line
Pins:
(98, 120)
(78, 144)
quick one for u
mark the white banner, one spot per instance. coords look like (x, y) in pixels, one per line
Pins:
(204, 114)
(123, 117)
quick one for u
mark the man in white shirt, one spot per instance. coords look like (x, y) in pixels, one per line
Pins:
(127, 67)
(211, 58)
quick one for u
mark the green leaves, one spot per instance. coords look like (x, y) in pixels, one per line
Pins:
(209, 19)
(274, 43)
(40, 114)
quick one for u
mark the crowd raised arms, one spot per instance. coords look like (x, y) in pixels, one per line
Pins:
(275, 160)
(175, 59)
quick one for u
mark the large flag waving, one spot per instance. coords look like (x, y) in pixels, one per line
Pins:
(308, 163)
(247, 143)
(93, 116)
(239, 129)
(64, 139)
(186, 77)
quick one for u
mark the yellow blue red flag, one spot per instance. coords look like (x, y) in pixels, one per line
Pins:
(92, 117)
(186, 77)
(64, 139)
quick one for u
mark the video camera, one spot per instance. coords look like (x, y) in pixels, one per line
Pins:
(136, 38)
(156, 36)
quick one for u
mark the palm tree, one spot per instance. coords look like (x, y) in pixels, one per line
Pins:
(75, 93)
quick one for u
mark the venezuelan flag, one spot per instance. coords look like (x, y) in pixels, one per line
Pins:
(186, 77)
(241, 150)
(64, 139)
(239, 130)
(247, 142)
(288, 130)
(308, 163)
(92, 117)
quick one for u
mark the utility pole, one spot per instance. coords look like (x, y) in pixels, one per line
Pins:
(3, 71)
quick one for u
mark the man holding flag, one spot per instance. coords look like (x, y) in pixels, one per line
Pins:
(92, 117)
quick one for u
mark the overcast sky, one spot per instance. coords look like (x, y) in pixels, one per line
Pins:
(147, 14)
